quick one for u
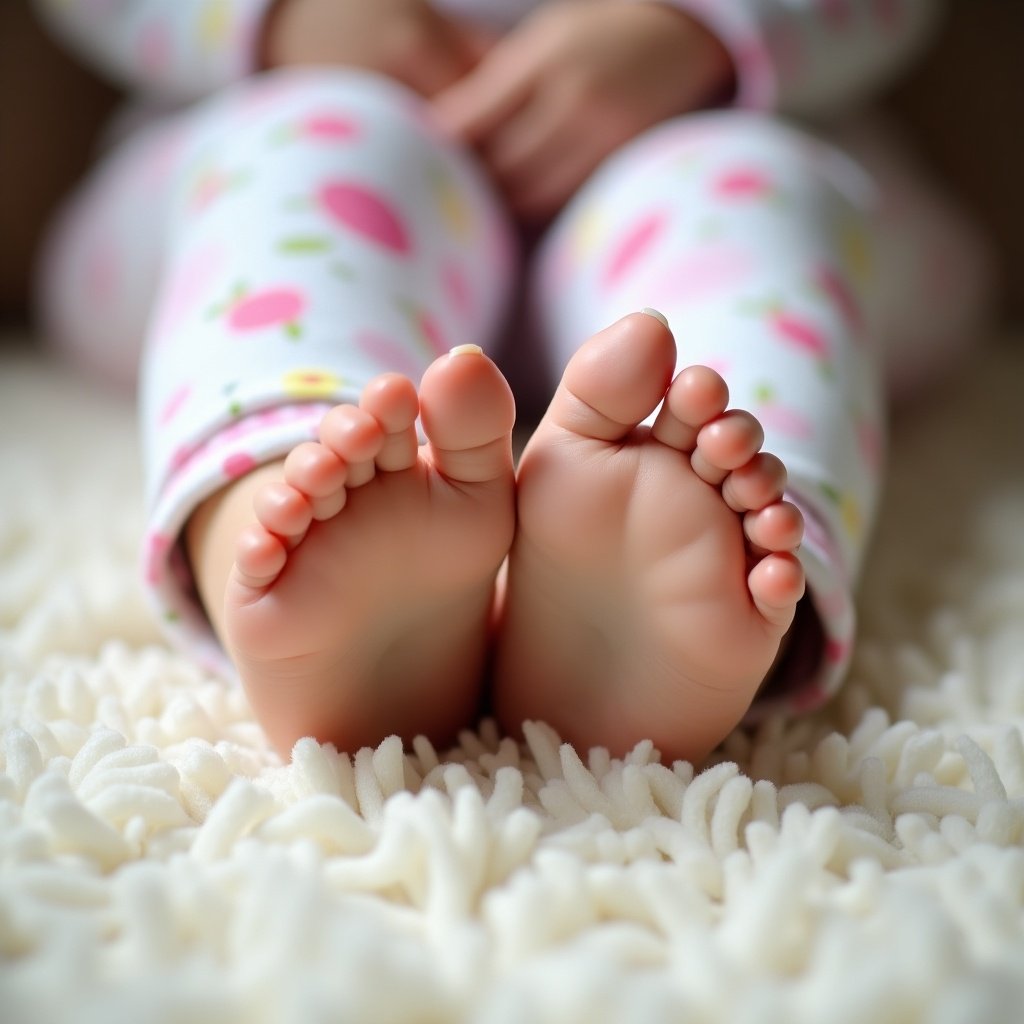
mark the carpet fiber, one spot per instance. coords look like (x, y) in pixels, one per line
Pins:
(158, 863)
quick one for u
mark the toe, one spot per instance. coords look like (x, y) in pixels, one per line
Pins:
(616, 379)
(259, 558)
(756, 484)
(777, 527)
(468, 412)
(697, 396)
(355, 436)
(314, 469)
(392, 400)
(725, 444)
(776, 585)
(283, 511)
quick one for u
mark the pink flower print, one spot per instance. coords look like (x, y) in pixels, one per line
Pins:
(238, 464)
(390, 355)
(431, 331)
(744, 183)
(839, 293)
(173, 404)
(427, 330)
(633, 245)
(798, 333)
(157, 546)
(324, 127)
(269, 307)
(329, 127)
(837, 651)
(184, 456)
(456, 289)
(704, 274)
(778, 418)
(360, 209)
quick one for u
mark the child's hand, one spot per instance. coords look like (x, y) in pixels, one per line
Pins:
(571, 84)
(405, 39)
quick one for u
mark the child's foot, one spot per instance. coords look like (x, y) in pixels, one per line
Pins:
(651, 580)
(360, 602)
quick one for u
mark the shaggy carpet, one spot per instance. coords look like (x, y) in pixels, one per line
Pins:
(159, 864)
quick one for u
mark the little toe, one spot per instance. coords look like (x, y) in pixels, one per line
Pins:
(777, 527)
(467, 411)
(756, 484)
(725, 444)
(616, 379)
(259, 558)
(697, 396)
(283, 511)
(776, 585)
(392, 400)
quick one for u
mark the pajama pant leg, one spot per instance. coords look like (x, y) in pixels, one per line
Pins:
(315, 232)
(753, 239)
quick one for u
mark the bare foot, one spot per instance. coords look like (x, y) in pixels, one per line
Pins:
(360, 600)
(651, 580)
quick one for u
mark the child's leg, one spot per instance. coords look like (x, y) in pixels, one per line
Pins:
(653, 570)
(103, 255)
(320, 234)
(932, 269)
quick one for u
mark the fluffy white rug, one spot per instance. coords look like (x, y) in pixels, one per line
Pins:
(158, 864)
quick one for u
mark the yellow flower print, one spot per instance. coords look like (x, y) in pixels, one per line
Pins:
(851, 516)
(587, 233)
(214, 24)
(455, 213)
(849, 510)
(856, 250)
(311, 384)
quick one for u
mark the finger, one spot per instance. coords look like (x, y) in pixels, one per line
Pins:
(529, 141)
(542, 184)
(473, 107)
(439, 65)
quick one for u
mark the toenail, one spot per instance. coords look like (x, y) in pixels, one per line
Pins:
(466, 350)
(656, 314)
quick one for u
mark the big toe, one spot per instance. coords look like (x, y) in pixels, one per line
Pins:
(468, 412)
(616, 378)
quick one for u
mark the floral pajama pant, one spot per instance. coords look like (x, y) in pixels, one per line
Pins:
(265, 253)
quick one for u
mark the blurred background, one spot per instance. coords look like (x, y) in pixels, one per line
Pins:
(963, 109)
